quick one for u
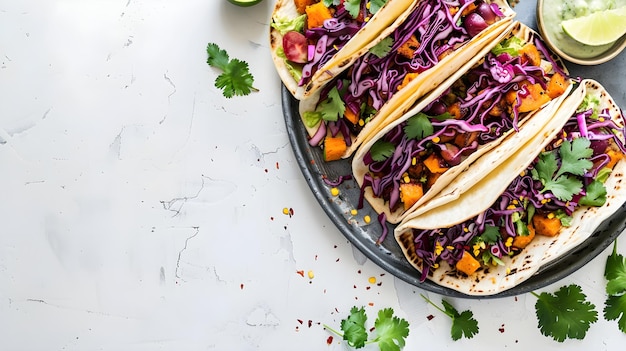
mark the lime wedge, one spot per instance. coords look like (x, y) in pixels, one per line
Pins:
(598, 28)
(244, 3)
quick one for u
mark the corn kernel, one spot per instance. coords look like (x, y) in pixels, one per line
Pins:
(367, 219)
(550, 215)
(361, 122)
(413, 161)
(353, 211)
(372, 280)
(334, 191)
(436, 140)
(310, 274)
(285, 211)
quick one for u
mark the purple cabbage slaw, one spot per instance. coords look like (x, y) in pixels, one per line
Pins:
(328, 40)
(449, 244)
(480, 90)
(372, 81)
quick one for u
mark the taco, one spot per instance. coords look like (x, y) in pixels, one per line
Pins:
(510, 93)
(547, 198)
(434, 40)
(312, 40)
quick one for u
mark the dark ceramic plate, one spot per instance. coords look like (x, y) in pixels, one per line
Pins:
(388, 254)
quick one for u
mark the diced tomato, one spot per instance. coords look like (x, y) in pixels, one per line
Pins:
(295, 47)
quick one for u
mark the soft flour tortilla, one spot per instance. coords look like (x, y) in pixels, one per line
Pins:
(486, 191)
(532, 124)
(377, 28)
(403, 100)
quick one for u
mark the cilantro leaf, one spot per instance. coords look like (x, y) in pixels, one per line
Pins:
(566, 314)
(382, 48)
(391, 331)
(376, 5)
(463, 324)
(235, 78)
(575, 156)
(418, 127)
(545, 167)
(353, 7)
(614, 308)
(564, 187)
(559, 179)
(218, 58)
(615, 273)
(596, 194)
(382, 150)
(353, 327)
(332, 107)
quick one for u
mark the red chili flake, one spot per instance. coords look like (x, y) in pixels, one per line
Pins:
(300, 273)
(430, 317)
(277, 165)
(354, 286)
(266, 170)
(241, 286)
(310, 323)
(337, 260)
(379, 284)
(300, 321)
(316, 257)
(515, 298)
(335, 246)
(368, 287)
(329, 340)
(312, 162)
(371, 304)
(272, 218)
(359, 271)
(501, 329)
(372, 329)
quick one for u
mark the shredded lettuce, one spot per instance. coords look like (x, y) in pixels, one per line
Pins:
(590, 102)
(284, 25)
(294, 70)
(510, 46)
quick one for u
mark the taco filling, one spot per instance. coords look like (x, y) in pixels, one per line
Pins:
(322, 28)
(490, 100)
(433, 30)
(567, 175)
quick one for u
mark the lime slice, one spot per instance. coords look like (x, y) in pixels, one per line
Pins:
(244, 3)
(598, 28)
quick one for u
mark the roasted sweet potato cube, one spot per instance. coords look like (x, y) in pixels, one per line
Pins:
(521, 241)
(534, 98)
(557, 85)
(410, 193)
(433, 164)
(334, 148)
(467, 264)
(530, 54)
(546, 225)
(302, 4)
(316, 14)
(615, 156)
(409, 47)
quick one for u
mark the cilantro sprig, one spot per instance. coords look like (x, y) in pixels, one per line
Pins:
(463, 324)
(615, 274)
(566, 314)
(235, 78)
(391, 331)
(559, 177)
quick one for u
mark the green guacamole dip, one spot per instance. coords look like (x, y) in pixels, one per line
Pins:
(556, 11)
